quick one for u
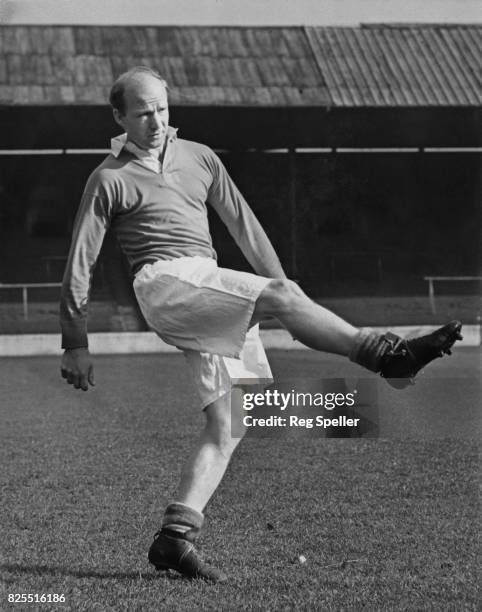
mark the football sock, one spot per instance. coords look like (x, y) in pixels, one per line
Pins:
(182, 520)
(368, 349)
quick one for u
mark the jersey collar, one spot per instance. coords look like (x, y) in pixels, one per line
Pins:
(118, 143)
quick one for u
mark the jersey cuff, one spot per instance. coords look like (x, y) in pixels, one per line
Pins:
(74, 333)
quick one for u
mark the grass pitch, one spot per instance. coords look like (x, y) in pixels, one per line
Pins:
(382, 524)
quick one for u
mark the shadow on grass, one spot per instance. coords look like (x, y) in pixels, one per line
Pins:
(41, 570)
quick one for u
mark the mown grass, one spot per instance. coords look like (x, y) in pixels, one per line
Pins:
(383, 524)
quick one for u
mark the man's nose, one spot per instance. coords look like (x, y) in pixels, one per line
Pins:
(156, 119)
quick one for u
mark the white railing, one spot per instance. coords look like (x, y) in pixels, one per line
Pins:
(25, 287)
(431, 289)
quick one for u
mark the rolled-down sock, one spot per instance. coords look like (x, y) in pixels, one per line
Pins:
(182, 520)
(368, 349)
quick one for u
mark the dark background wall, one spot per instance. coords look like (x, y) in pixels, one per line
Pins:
(363, 223)
(366, 222)
(244, 127)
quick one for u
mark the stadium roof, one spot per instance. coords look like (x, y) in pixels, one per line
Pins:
(386, 65)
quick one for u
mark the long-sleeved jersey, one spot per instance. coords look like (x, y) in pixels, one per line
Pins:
(155, 215)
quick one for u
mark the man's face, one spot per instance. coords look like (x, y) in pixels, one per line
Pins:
(146, 117)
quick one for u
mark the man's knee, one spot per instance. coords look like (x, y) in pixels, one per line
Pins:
(280, 296)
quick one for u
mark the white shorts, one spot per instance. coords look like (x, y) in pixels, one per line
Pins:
(206, 311)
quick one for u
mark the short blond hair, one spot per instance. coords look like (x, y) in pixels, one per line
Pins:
(116, 96)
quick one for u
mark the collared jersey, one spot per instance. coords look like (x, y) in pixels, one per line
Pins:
(150, 158)
(157, 213)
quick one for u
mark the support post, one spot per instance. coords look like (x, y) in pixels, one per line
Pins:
(431, 295)
(25, 303)
(293, 214)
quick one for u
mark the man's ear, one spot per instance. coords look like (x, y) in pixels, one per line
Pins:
(118, 117)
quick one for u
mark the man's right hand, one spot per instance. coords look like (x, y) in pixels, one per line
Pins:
(77, 368)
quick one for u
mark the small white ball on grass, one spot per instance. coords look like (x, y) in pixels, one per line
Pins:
(302, 558)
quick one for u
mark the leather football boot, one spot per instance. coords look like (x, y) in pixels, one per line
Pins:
(172, 551)
(404, 358)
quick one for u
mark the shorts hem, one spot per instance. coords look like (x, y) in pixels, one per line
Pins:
(219, 393)
(249, 317)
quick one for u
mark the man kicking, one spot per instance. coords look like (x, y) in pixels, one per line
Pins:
(152, 189)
